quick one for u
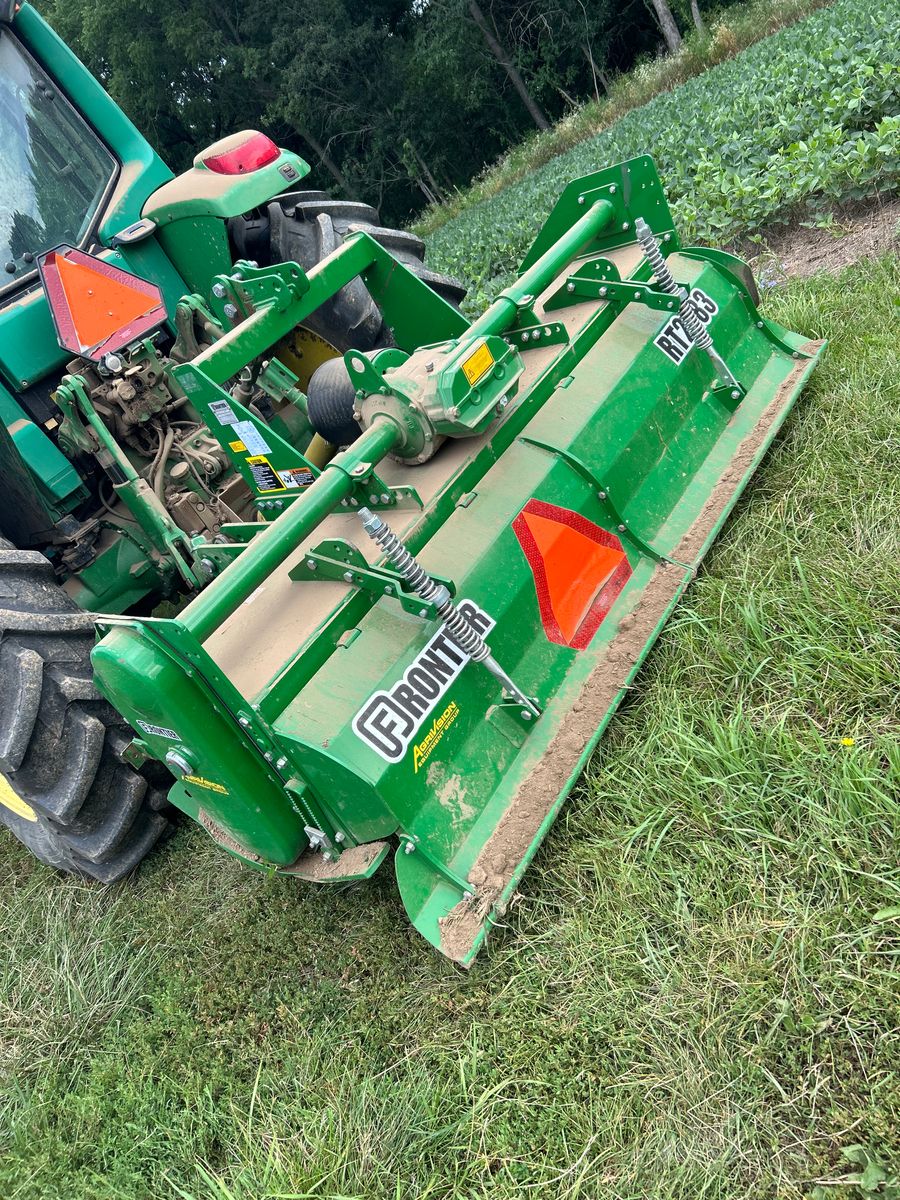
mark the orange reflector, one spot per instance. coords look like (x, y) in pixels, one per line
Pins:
(96, 307)
(578, 569)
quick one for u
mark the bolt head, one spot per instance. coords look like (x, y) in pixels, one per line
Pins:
(268, 756)
(581, 199)
(348, 575)
(230, 311)
(244, 721)
(621, 528)
(526, 335)
(218, 290)
(626, 225)
(570, 287)
(409, 848)
(311, 564)
(385, 498)
(612, 189)
(735, 395)
(526, 714)
(601, 495)
(604, 291)
(281, 763)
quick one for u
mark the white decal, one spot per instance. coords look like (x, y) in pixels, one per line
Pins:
(673, 339)
(389, 720)
(251, 437)
(162, 731)
(223, 412)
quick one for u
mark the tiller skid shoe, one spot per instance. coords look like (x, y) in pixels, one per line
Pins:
(418, 646)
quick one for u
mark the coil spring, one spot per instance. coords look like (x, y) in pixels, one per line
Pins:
(411, 571)
(467, 638)
(688, 313)
(654, 257)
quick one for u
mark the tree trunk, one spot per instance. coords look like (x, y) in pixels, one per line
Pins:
(596, 75)
(667, 24)
(324, 157)
(508, 65)
(699, 23)
(432, 182)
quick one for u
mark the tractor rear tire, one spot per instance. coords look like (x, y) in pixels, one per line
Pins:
(305, 227)
(66, 789)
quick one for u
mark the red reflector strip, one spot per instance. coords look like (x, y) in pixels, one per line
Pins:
(258, 151)
(579, 569)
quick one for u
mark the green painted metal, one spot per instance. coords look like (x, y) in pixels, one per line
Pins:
(269, 550)
(308, 753)
(309, 699)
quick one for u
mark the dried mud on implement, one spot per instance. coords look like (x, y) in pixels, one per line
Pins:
(422, 648)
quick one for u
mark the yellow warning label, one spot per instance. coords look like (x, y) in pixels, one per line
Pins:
(11, 799)
(439, 727)
(199, 781)
(478, 363)
(237, 447)
(264, 477)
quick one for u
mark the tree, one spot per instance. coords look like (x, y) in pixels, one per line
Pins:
(667, 24)
(507, 64)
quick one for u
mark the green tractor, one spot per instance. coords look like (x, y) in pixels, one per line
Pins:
(416, 560)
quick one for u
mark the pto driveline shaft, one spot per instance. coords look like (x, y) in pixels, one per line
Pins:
(692, 324)
(461, 631)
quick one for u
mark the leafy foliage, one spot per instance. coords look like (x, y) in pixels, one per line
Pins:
(398, 101)
(810, 114)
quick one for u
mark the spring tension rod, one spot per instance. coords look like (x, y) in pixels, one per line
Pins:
(464, 635)
(689, 319)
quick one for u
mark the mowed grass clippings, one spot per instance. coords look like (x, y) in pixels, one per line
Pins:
(696, 994)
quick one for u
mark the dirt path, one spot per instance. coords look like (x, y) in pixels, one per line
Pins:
(859, 231)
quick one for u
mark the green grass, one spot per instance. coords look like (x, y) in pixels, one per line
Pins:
(697, 994)
(806, 118)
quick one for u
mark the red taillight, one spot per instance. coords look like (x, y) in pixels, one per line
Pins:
(256, 152)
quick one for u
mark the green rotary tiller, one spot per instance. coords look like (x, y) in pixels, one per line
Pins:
(418, 645)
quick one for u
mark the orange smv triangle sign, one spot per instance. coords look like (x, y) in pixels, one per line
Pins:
(579, 568)
(97, 307)
(575, 568)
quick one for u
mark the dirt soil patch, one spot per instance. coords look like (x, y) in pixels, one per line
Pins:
(855, 232)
